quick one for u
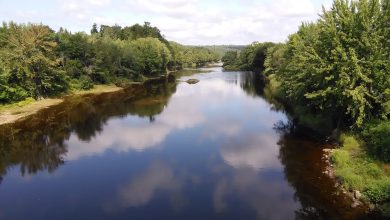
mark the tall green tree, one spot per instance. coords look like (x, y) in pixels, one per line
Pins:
(341, 63)
(153, 56)
(94, 29)
(29, 60)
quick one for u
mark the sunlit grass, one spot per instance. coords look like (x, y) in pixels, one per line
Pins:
(16, 104)
(360, 172)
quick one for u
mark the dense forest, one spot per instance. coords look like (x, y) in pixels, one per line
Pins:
(249, 58)
(336, 71)
(37, 62)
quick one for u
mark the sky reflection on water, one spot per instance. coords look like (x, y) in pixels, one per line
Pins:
(203, 151)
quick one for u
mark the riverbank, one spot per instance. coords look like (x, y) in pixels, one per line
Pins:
(13, 112)
(364, 179)
(367, 180)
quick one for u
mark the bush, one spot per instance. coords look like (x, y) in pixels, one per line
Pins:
(85, 82)
(74, 68)
(377, 137)
(100, 77)
(378, 192)
(360, 172)
(10, 94)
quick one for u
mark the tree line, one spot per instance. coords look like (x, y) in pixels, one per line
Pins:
(340, 66)
(249, 58)
(337, 68)
(37, 62)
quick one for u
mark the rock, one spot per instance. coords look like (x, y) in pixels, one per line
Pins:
(326, 150)
(357, 194)
(355, 204)
(192, 81)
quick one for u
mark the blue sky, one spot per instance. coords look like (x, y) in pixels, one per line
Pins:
(196, 22)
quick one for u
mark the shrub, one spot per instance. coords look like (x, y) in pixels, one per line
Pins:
(11, 94)
(377, 137)
(358, 171)
(378, 192)
(85, 82)
(74, 68)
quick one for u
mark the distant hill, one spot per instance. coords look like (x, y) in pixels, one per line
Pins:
(222, 49)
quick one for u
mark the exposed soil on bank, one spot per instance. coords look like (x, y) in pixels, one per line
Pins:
(14, 112)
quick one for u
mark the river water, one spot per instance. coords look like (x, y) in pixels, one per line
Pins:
(213, 150)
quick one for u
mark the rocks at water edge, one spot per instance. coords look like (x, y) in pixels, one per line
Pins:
(192, 81)
(357, 194)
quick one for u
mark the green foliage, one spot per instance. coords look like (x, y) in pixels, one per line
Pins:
(151, 55)
(251, 57)
(74, 68)
(274, 60)
(339, 64)
(94, 29)
(339, 67)
(9, 94)
(190, 56)
(220, 50)
(377, 135)
(359, 172)
(29, 61)
(230, 60)
(378, 192)
(85, 82)
(36, 62)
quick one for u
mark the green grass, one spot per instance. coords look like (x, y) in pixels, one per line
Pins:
(16, 104)
(360, 172)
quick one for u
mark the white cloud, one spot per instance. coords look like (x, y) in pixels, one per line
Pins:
(172, 8)
(269, 198)
(187, 110)
(99, 2)
(122, 136)
(257, 151)
(141, 189)
(185, 21)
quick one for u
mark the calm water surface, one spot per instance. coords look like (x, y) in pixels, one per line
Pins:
(213, 150)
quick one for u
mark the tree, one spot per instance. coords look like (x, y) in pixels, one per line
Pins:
(29, 60)
(152, 55)
(341, 63)
(230, 59)
(94, 29)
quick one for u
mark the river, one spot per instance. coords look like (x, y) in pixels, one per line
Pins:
(213, 150)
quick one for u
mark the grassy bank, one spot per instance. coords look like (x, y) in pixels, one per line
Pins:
(360, 163)
(15, 111)
(359, 172)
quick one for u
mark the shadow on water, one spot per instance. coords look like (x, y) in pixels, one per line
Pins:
(38, 142)
(302, 156)
(304, 169)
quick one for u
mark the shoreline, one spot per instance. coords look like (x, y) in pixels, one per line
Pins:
(12, 113)
(18, 111)
(355, 195)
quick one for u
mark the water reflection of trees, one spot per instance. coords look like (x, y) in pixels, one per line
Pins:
(252, 83)
(38, 143)
(301, 155)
